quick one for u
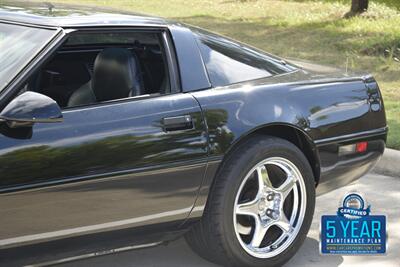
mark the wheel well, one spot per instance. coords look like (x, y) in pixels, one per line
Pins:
(293, 135)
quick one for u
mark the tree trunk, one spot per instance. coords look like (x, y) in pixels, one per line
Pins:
(359, 6)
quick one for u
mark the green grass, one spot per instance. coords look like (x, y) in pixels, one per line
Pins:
(389, 3)
(393, 117)
(307, 29)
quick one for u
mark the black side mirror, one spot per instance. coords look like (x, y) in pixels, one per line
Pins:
(29, 108)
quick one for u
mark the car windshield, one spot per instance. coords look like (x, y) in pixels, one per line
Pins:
(18, 45)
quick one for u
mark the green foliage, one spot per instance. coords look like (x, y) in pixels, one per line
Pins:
(393, 116)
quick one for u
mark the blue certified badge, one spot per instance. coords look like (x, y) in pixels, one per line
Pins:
(353, 230)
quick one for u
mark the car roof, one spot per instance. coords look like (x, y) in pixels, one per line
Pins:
(67, 16)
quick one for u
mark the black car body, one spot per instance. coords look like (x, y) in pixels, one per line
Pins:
(138, 170)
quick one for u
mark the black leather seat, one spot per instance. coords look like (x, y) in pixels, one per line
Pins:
(116, 75)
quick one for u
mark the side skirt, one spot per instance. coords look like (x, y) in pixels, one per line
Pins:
(95, 254)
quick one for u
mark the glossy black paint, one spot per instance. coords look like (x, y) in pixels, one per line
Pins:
(104, 164)
(192, 70)
(116, 166)
(342, 114)
(31, 107)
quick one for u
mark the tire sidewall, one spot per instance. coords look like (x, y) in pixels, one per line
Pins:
(250, 156)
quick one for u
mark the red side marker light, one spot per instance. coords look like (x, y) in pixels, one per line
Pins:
(361, 147)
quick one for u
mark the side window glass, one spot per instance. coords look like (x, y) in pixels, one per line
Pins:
(228, 62)
(93, 67)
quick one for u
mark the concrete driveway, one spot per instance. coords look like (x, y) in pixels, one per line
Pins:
(382, 192)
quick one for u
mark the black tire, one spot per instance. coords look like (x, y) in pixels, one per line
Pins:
(214, 238)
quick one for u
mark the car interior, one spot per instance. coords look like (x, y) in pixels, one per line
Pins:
(93, 67)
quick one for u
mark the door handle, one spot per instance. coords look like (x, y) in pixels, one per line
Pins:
(177, 123)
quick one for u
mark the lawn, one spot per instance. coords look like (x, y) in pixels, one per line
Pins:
(306, 29)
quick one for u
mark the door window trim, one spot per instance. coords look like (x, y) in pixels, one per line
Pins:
(170, 61)
(114, 102)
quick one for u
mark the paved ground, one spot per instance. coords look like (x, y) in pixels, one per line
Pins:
(383, 192)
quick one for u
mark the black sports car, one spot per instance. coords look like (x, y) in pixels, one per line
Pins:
(124, 131)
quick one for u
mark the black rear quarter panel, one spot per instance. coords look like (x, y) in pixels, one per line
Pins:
(329, 112)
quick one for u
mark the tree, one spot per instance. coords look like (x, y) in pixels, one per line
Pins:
(359, 6)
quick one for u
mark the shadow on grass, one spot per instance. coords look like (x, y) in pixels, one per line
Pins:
(319, 41)
(393, 115)
(389, 3)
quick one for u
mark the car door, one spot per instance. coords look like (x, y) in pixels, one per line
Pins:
(115, 165)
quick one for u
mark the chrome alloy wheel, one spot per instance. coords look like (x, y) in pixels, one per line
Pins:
(269, 207)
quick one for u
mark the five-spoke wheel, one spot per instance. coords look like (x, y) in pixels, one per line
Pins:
(260, 206)
(264, 225)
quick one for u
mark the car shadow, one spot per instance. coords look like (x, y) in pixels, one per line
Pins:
(309, 255)
(174, 254)
(177, 254)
